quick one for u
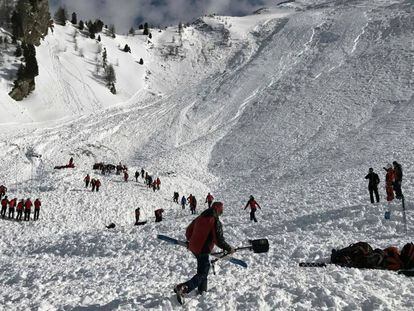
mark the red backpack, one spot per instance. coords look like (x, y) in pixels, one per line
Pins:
(407, 256)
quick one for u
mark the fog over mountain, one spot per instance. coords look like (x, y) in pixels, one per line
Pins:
(125, 13)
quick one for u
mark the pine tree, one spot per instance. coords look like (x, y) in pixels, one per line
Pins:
(18, 52)
(131, 31)
(74, 20)
(17, 30)
(141, 61)
(99, 38)
(92, 30)
(32, 69)
(180, 28)
(61, 16)
(146, 30)
(81, 25)
(98, 25)
(110, 76)
(112, 30)
(140, 27)
(104, 58)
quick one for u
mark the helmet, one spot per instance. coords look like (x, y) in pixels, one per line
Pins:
(218, 207)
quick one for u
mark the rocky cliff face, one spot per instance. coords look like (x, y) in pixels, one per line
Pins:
(35, 19)
(33, 22)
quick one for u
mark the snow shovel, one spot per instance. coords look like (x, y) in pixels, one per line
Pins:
(257, 246)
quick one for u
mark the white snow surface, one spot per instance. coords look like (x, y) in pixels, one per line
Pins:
(292, 105)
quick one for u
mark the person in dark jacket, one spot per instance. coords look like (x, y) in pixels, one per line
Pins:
(87, 179)
(136, 176)
(373, 184)
(202, 234)
(183, 201)
(398, 180)
(252, 203)
(158, 214)
(175, 197)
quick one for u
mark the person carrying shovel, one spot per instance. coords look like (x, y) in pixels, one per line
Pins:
(202, 234)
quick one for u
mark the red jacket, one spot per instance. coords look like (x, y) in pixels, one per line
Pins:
(12, 203)
(28, 204)
(204, 232)
(158, 181)
(389, 177)
(252, 204)
(20, 206)
(37, 204)
(87, 178)
(4, 202)
(97, 183)
(209, 198)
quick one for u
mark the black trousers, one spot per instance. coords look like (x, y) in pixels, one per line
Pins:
(200, 279)
(373, 190)
(3, 211)
(19, 215)
(27, 215)
(11, 213)
(36, 214)
(397, 189)
(252, 214)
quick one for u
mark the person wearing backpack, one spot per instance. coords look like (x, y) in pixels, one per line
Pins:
(398, 180)
(373, 184)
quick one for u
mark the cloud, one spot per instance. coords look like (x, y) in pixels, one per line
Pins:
(125, 13)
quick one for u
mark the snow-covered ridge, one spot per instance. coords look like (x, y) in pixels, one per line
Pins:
(292, 106)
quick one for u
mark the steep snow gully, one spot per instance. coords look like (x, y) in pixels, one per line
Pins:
(292, 106)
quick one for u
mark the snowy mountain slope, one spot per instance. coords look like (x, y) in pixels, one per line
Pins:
(292, 106)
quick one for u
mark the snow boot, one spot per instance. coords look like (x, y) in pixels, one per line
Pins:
(180, 290)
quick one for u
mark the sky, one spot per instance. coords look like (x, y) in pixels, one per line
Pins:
(126, 13)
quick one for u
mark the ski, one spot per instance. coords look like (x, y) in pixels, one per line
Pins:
(313, 264)
(233, 260)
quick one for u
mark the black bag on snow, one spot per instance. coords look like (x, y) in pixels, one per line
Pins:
(358, 255)
(407, 256)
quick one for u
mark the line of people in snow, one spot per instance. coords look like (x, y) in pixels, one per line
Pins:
(393, 182)
(21, 207)
(192, 202)
(95, 183)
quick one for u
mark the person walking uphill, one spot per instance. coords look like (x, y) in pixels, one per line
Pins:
(252, 203)
(209, 200)
(398, 180)
(202, 234)
(389, 181)
(87, 179)
(373, 184)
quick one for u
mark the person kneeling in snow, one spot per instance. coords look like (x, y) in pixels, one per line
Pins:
(202, 234)
(158, 214)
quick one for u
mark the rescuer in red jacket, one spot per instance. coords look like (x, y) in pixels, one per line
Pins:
(202, 234)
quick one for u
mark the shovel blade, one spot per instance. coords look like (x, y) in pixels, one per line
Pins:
(260, 245)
